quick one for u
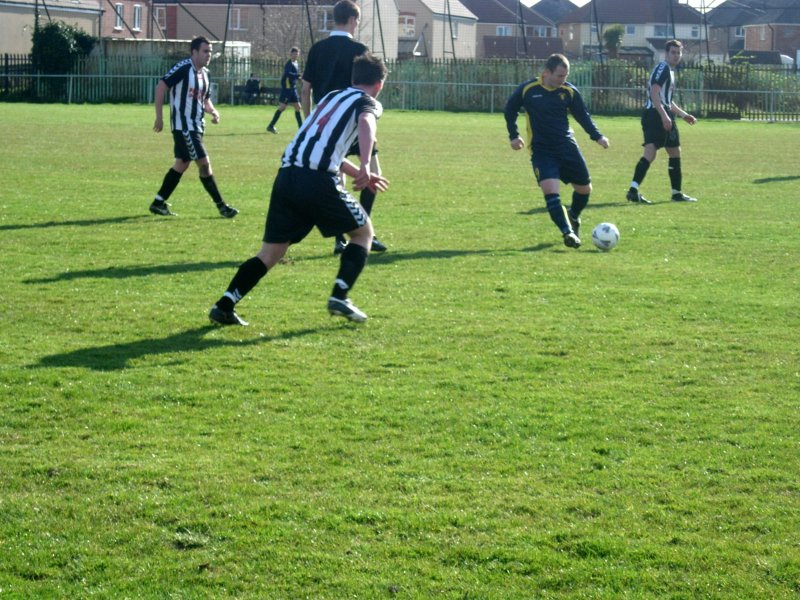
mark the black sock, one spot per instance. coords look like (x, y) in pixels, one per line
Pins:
(557, 213)
(641, 170)
(579, 202)
(675, 173)
(171, 180)
(298, 118)
(249, 274)
(211, 187)
(367, 199)
(275, 118)
(351, 264)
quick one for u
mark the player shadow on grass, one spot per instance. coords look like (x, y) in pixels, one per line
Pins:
(115, 357)
(74, 223)
(543, 209)
(775, 179)
(135, 271)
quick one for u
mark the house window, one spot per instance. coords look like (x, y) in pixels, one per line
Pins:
(324, 19)
(137, 17)
(160, 17)
(762, 31)
(695, 31)
(237, 21)
(408, 25)
(593, 28)
(503, 31)
(119, 9)
(661, 31)
(739, 32)
(630, 29)
(454, 29)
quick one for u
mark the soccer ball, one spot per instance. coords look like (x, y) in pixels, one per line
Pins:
(605, 236)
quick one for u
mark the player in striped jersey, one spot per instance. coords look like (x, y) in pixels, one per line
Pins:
(307, 192)
(555, 156)
(189, 99)
(329, 66)
(659, 126)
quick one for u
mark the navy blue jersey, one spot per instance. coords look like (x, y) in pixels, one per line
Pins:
(546, 110)
(291, 73)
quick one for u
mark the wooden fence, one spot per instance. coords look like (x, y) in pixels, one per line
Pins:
(736, 92)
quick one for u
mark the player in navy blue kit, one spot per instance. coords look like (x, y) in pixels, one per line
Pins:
(659, 126)
(291, 73)
(189, 99)
(307, 192)
(555, 156)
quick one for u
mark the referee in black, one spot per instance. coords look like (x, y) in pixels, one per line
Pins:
(307, 192)
(328, 67)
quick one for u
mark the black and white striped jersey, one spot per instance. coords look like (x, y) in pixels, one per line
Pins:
(188, 91)
(665, 77)
(328, 133)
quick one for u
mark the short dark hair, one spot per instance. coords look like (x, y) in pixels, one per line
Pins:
(199, 41)
(343, 10)
(672, 44)
(368, 70)
(555, 61)
(294, 49)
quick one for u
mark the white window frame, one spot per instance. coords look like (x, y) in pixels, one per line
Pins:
(630, 29)
(119, 12)
(738, 31)
(235, 20)
(454, 29)
(324, 19)
(408, 25)
(503, 31)
(661, 31)
(695, 31)
(137, 17)
(160, 17)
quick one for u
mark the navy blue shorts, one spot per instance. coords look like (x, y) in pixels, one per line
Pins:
(288, 96)
(302, 198)
(566, 164)
(654, 132)
(189, 145)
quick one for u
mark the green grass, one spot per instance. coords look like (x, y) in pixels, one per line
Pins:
(516, 420)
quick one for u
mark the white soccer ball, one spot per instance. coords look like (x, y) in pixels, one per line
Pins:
(605, 236)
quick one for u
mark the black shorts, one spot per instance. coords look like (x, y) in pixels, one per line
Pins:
(566, 163)
(189, 145)
(288, 96)
(654, 132)
(302, 198)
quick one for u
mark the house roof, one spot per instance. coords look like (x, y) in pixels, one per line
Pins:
(736, 13)
(630, 13)
(502, 11)
(553, 9)
(457, 9)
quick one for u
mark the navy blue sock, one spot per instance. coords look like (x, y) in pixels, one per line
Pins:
(579, 202)
(557, 212)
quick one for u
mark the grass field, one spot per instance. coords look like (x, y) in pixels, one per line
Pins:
(516, 419)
